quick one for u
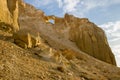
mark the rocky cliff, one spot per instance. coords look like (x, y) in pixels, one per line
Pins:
(88, 37)
(9, 13)
(71, 48)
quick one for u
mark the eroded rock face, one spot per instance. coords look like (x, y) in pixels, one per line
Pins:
(26, 38)
(86, 35)
(90, 39)
(27, 10)
(9, 13)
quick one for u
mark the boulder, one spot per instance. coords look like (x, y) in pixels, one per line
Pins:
(26, 38)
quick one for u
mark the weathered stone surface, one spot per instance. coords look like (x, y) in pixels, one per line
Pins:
(87, 36)
(90, 39)
(26, 38)
(9, 13)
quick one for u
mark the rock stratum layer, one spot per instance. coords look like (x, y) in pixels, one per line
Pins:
(9, 13)
(70, 48)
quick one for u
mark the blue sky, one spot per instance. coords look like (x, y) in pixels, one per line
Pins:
(104, 13)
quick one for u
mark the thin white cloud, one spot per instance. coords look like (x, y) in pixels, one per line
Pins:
(118, 60)
(76, 7)
(60, 3)
(80, 7)
(68, 5)
(92, 4)
(39, 3)
(112, 28)
(101, 3)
